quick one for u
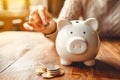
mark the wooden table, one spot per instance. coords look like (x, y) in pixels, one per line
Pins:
(17, 66)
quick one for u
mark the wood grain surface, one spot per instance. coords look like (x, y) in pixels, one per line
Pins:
(107, 65)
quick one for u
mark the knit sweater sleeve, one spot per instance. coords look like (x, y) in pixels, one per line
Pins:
(71, 10)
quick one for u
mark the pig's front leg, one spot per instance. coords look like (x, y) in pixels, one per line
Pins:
(90, 62)
(65, 62)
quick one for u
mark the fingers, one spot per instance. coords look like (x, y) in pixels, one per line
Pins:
(32, 26)
(34, 21)
(39, 19)
(35, 16)
(28, 26)
(43, 15)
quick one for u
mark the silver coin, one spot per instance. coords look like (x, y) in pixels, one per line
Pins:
(52, 67)
(46, 75)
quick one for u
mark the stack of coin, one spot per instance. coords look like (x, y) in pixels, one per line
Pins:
(51, 71)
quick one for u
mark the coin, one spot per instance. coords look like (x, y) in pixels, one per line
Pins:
(49, 75)
(50, 71)
(52, 67)
(54, 73)
(62, 72)
(40, 71)
(46, 75)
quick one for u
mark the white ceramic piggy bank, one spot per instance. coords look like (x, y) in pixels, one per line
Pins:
(77, 41)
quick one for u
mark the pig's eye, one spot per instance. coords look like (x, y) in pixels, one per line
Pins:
(84, 32)
(71, 32)
(77, 22)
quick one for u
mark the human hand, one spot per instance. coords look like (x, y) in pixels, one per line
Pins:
(40, 20)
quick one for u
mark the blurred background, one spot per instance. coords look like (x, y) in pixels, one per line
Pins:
(13, 13)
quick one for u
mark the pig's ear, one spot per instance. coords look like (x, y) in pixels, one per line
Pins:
(92, 22)
(62, 23)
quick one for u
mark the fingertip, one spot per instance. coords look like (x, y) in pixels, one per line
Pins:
(41, 7)
(28, 26)
(33, 11)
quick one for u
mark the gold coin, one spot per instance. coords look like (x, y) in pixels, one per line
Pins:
(53, 74)
(46, 75)
(62, 72)
(40, 71)
(50, 71)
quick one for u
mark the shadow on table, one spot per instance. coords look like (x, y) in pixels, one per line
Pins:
(99, 70)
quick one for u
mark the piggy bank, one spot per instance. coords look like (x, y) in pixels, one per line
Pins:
(77, 41)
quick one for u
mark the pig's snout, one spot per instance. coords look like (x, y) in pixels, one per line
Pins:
(76, 45)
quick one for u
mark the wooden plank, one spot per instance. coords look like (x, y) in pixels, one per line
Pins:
(114, 43)
(100, 71)
(23, 68)
(110, 53)
(15, 44)
(45, 53)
